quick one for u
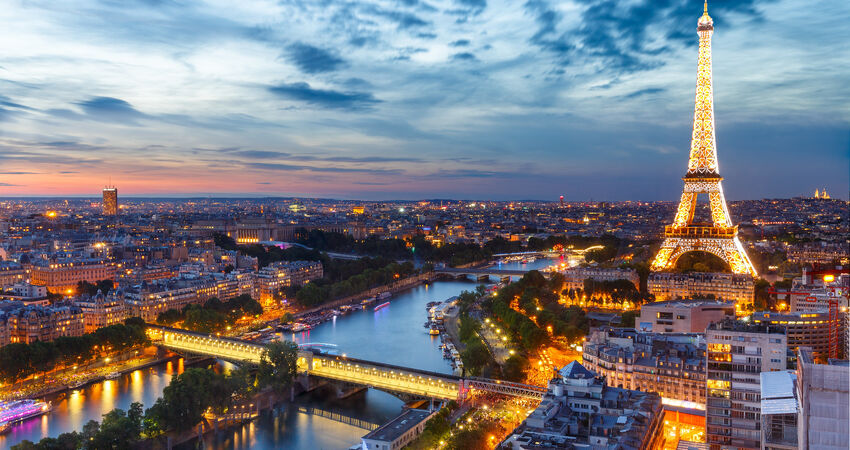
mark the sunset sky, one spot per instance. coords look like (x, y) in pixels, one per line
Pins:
(407, 99)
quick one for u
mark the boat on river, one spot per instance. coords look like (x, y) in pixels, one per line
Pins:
(382, 305)
(20, 410)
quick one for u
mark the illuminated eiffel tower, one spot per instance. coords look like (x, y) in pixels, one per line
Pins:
(719, 237)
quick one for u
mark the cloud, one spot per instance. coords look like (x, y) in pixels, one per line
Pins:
(312, 60)
(645, 92)
(325, 98)
(111, 109)
(464, 56)
(264, 182)
(7, 102)
(296, 167)
(19, 173)
(459, 43)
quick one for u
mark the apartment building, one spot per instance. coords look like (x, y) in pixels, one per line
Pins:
(62, 276)
(270, 281)
(682, 316)
(673, 365)
(575, 276)
(737, 352)
(29, 323)
(721, 286)
(102, 310)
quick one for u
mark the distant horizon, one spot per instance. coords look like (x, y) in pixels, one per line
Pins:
(248, 196)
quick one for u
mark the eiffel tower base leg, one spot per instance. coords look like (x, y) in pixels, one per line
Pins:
(729, 250)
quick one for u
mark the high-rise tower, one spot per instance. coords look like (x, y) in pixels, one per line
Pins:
(718, 237)
(110, 201)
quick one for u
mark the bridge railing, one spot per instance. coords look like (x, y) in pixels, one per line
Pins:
(367, 373)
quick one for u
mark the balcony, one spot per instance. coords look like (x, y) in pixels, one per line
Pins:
(700, 231)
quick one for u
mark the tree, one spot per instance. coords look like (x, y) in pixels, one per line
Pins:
(224, 241)
(119, 429)
(182, 403)
(169, 317)
(475, 357)
(514, 368)
(278, 365)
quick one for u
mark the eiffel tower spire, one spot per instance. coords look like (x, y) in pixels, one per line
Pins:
(703, 157)
(719, 237)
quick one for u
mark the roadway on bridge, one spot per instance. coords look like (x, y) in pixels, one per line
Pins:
(394, 379)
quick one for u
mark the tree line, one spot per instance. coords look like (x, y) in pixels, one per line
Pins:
(20, 360)
(314, 294)
(538, 311)
(213, 315)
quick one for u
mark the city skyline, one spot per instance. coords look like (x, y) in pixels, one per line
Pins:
(373, 101)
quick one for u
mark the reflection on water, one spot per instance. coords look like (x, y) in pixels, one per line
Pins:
(393, 335)
(75, 408)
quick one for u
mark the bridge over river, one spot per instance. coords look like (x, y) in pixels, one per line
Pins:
(393, 379)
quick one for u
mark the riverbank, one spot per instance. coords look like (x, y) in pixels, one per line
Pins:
(393, 288)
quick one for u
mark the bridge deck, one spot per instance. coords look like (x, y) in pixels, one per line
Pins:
(388, 377)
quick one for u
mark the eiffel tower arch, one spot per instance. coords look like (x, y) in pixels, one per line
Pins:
(718, 237)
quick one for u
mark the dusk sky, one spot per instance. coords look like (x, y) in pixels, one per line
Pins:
(408, 99)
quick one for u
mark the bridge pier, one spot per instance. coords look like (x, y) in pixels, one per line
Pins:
(505, 279)
(483, 278)
(349, 391)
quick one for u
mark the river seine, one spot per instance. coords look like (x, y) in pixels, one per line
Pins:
(392, 335)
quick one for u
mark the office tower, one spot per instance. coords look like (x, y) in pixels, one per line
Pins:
(110, 201)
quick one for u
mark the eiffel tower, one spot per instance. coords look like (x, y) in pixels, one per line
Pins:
(719, 237)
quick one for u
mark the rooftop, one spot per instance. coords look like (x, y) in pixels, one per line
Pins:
(398, 426)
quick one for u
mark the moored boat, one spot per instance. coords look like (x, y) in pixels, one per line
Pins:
(20, 410)
(382, 305)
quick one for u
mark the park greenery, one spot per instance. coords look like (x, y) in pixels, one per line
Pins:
(278, 365)
(477, 360)
(181, 407)
(91, 289)
(19, 360)
(212, 316)
(321, 291)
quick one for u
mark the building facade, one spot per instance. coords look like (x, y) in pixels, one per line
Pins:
(824, 393)
(270, 281)
(575, 276)
(810, 329)
(721, 286)
(737, 353)
(102, 310)
(110, 201)
(779, 410)
(682, 316)
(11, 273)
(30, 323)
(62, 276)
(672, 365)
